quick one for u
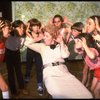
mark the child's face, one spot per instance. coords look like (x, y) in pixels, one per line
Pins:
(57, 22)
(20, 30)
(6, 30)
(75, 32)
(90, 24)
(35, 29)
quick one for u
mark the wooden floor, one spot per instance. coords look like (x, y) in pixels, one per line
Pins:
(75, 67)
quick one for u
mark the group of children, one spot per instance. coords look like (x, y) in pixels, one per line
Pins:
(47, 47)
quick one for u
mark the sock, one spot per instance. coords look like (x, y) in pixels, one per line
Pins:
(5, 95)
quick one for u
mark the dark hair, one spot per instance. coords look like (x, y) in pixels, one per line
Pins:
(15, 24)
(89, 40)
(59, 16)
(78, 26)
(34, 22)
(93, 18)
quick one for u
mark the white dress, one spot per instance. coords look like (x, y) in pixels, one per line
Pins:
(59, 82)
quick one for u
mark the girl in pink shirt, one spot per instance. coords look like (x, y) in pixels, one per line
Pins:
(86, 46)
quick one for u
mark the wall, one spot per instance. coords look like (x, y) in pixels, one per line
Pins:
(44, 10)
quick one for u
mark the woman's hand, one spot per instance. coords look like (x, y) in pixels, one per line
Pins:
(59, 39)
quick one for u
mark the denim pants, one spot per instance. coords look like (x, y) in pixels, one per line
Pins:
(32, 56)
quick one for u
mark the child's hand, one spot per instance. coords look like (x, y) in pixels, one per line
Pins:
(6, 31)
(27, 31)
(50, 21)
(85, 30)
(27, 27)
(83, 41)
(1, 24)
(67, 21)
(97, 24)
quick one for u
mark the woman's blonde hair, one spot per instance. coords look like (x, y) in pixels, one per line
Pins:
(52, 30)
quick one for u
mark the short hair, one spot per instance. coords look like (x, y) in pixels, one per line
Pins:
(52, 30)
(78, 26)
(34, 22)
(17, 23)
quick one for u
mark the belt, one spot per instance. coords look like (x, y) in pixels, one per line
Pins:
(53, 64)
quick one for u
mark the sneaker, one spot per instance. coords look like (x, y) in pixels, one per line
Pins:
(40, 90)
(27, 79)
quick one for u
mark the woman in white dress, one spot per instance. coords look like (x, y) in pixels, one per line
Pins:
(59, 82)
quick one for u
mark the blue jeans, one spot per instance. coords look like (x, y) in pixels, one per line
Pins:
(36, 57)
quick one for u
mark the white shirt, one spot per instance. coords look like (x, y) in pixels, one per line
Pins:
(48, 55)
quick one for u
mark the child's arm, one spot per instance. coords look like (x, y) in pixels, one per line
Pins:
(97, 24)
(91, 54)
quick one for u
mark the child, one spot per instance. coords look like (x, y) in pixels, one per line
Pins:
(3, 85)
(93, 28)
(85, 45)
(13, 59)
(77, 29)
(63, 25)
(34, 33)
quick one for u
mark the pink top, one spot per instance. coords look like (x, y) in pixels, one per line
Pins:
(93, 63)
